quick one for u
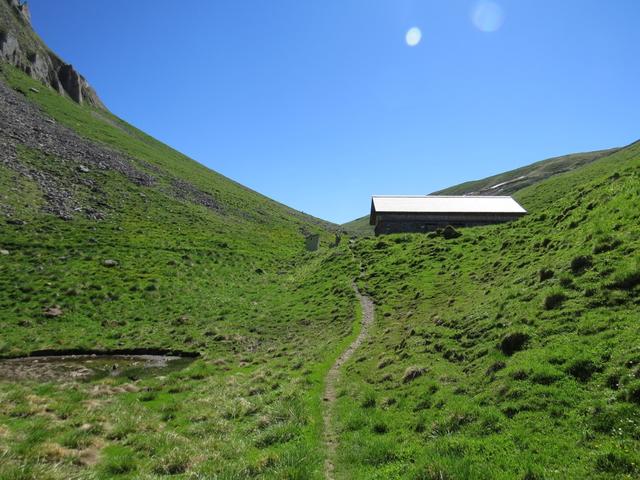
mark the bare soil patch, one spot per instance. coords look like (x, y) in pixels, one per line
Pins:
(329, 397)
(88, 367)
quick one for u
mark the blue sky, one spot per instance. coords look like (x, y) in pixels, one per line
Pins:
(319, 104)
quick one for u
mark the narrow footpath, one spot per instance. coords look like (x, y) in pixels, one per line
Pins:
(330, 437)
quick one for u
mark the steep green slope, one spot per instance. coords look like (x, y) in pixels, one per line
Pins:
(511, 351)
(111, 239)
(186, 210)
(507, 183)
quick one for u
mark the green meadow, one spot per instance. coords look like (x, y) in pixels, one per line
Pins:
(234, 284)
(511, 351)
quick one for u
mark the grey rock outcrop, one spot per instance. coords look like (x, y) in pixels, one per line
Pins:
(9, 47)
(22, 8)
(21, 47)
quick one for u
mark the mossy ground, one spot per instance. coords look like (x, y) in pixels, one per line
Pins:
(473, 372)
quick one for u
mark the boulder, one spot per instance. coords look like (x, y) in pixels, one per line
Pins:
(9, 47)
(449, 233)
(70, 81)
(52, 312)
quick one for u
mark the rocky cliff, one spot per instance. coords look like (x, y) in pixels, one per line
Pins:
(21, 46)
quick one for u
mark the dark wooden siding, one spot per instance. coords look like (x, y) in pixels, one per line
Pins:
(426, 222)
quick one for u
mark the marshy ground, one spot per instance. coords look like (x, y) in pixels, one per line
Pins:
(66, 368)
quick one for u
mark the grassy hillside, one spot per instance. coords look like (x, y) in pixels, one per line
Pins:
(359, 227)
(131, 244)
(507, 183)
(511, 351)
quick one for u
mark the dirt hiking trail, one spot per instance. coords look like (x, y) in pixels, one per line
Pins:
(329, 397)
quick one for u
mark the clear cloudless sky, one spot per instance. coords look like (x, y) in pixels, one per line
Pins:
(319, 104)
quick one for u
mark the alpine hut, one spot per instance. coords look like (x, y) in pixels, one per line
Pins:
(424, 213)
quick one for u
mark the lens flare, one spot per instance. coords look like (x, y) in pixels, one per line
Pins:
(413, 36)
(487, 16)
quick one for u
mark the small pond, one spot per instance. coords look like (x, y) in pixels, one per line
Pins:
(62, 368)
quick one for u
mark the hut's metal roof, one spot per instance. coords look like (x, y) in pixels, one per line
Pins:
(442, 204)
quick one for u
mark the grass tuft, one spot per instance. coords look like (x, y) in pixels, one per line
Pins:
(413, 372)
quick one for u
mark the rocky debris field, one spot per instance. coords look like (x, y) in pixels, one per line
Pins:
(23, 125)
(69, 168)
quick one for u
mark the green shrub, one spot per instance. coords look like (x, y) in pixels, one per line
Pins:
(356, 420)
(452, 424)
(606, 244)
(374, 450)
(533, 474)
(615, 462)
(618, 417)
(424, 401)
(432, 472)
(554, 299)
(379, 427)
(519, 374)
(514, 342)
(147, 396)
(633, 392)
(581, 263)
(566, 281)
(368, 400)
(626, 279)
(545, 375)
(582, 369)
(545, 274)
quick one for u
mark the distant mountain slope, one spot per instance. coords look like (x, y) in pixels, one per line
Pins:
(507, 183)
(510, 182)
